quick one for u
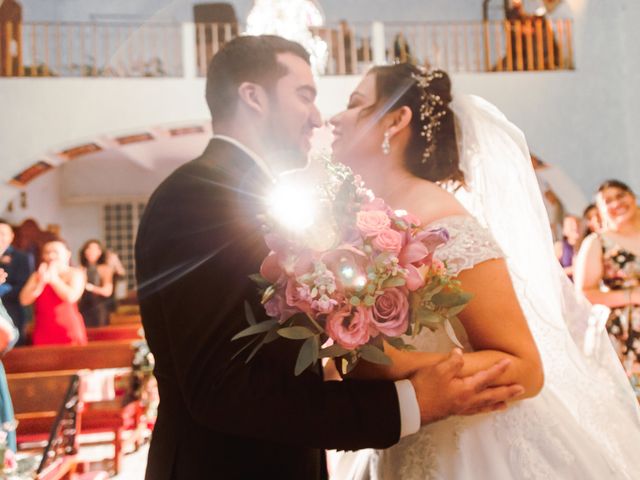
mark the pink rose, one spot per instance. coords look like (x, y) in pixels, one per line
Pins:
(375, 204)
(350, 329)
(372, 222)
(391, 312)
(388, 241)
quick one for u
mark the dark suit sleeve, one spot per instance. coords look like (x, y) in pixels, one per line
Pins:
(205, 258)
(20, 272)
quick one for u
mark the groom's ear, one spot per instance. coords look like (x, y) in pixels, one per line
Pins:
(253, 96)
(400, 119)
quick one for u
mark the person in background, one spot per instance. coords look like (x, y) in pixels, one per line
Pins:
(94, 303)
(54, 289)
(8, 338)
(119, 279)
(568, 247)
(552, 203)
(607, 269)
(591, 217)
(18, 267)
(401, 49)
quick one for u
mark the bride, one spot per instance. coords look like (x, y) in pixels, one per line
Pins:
(578, 418)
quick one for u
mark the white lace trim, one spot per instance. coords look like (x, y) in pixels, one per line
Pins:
(469, 244)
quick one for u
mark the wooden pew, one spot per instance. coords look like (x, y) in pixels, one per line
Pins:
(116, 416)
(105, 354)
(116, 332)
(37, 398)
(124, 318)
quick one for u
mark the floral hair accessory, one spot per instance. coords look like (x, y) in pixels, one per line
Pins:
(431, 109)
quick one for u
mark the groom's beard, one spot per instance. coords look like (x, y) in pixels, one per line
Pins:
(283, 154)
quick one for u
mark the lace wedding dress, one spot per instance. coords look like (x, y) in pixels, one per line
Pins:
(568, 431)
(585, 423)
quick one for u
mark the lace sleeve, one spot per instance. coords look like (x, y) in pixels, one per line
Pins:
(469, 244)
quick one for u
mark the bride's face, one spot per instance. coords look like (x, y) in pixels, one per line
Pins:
(358, 132)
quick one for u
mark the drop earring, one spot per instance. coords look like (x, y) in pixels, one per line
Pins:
(386, 146)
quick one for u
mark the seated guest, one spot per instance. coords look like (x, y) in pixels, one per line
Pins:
(607, 269)
(8, 338)
(568, 247)
(94, 303)
(591, 217)
(18, 267)
(54, 289)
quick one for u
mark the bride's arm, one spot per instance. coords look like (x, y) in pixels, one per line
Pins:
(496, 328)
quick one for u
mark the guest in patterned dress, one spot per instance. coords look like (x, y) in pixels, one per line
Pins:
(608, 266)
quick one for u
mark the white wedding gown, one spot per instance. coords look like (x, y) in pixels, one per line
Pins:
(583, 425)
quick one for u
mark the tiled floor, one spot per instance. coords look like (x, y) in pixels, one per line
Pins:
(133, 465)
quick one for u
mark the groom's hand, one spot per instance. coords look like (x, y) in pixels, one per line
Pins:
(441, 393)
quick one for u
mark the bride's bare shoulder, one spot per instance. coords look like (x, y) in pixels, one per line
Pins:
(431, 203)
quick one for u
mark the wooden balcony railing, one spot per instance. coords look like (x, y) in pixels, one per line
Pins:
(73, 49)
(539, 44)
(173, 50)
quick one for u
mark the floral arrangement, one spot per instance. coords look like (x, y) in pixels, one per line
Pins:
(375, 281)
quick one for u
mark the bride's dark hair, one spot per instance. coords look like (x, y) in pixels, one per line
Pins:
(398, 86)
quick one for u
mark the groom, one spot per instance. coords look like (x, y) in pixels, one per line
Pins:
(198, 242)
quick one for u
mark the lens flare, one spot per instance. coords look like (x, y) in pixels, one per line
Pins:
(293, 206)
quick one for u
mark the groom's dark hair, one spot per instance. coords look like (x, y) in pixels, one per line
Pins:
(246, 59)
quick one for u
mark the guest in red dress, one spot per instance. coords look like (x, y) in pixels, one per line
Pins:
(55, 289)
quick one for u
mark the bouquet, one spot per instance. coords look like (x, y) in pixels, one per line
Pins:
(372, 279)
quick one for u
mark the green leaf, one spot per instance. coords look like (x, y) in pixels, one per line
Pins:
(374, 355)
(428, 318)
(308, 354)
(396, 342)
(248, 313)
(259, 280)
(271, 336)
(255, 329)
(334, 350)
(295, 333)
(355, 301)
(369, 301)
(450, 299)
(254, 351)
(394, 282)
(371, 289)
(249, 343)
(453, 311)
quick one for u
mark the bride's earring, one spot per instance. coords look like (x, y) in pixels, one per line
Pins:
(386, 146)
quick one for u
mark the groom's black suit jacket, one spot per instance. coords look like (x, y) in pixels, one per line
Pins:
(198, 242)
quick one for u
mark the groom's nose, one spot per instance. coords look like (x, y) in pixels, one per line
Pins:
(316, 118)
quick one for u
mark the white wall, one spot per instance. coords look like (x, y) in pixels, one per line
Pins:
(78, 222)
